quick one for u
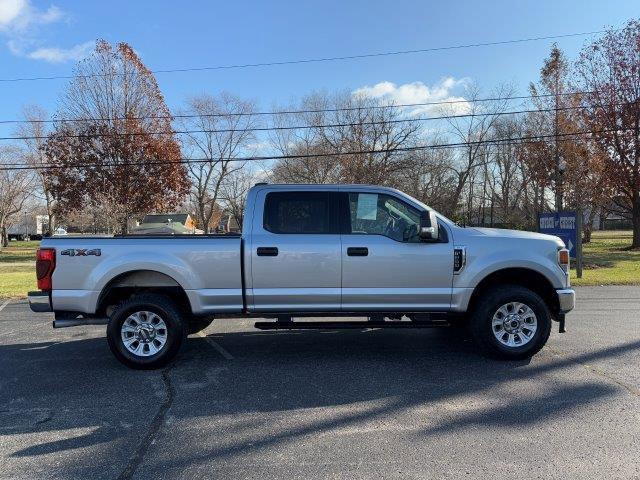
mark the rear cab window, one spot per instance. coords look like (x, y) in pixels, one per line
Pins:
(306, 212)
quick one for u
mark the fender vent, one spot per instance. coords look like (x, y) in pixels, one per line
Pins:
(459, 259)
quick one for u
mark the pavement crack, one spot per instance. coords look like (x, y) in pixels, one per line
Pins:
(595, 370)
(154, 428)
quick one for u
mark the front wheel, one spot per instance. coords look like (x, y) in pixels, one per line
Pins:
(510, 322)
(146, 331)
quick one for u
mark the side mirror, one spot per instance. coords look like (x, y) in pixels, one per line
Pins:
(428, 226)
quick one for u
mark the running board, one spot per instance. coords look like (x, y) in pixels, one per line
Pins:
(337, 325)
(76, 322)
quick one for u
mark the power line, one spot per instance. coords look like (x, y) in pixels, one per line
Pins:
(497, 141)
(320, 59)
(305, 127)
(294, 112)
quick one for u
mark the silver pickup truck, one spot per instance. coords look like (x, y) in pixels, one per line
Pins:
(311, 251)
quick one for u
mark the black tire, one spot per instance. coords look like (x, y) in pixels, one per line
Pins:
(159, 305)
(482, 329)
(197, 324)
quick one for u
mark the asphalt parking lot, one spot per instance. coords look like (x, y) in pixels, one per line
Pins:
(242, 403)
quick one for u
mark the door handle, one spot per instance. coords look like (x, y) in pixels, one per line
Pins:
(267, 251)
(357, 251)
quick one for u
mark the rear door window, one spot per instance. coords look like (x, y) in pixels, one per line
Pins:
(298, 213)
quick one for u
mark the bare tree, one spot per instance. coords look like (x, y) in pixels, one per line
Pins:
(471, 131)
(34, 134)
(504, 175)
(219, 133)
(234, 191)
(428, 176)
(361, 126)
(335, 126)
(15, 189)
(312, 158)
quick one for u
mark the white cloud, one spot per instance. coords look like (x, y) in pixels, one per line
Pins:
(20, 23)
(418, 92)
(17, 16)
(259, 146)
(10, 10)
(60, 55)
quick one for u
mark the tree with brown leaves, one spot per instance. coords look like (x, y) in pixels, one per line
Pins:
(116, 143)
(565, 161)
(609, 74)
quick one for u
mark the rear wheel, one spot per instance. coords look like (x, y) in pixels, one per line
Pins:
(510, 322)
(146, 331)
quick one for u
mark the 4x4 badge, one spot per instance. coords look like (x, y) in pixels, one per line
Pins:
(81, 252)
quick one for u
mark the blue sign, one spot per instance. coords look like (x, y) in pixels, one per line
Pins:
(563, 225)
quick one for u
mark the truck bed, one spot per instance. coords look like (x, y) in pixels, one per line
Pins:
(207, 267)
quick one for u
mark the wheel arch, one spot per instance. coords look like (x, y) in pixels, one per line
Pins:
(127, 284)
(524, 277)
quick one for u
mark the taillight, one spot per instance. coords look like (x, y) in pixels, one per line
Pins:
(563, 259)
(45, 264)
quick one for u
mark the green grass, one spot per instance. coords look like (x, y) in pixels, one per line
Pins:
(608, 260)
(19, 252)
(16, 281)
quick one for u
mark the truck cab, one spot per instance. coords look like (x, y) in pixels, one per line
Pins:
(344, 248)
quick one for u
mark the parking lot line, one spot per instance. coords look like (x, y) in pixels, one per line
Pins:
(216, 346)
(4, 305)
(26, 329)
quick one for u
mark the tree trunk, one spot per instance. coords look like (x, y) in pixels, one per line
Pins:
(4, 241)
(635, 219)
(587, 226)
(52, 220)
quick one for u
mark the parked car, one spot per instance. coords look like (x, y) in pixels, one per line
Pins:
(311, 250)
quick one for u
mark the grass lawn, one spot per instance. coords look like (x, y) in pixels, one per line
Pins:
(16, 281)
(606, 262)
(19, 252)
(16, 278)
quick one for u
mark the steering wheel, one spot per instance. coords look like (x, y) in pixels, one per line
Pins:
(410, 232)
(395, 228)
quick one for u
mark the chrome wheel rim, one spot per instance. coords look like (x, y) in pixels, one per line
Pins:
(144, 333)
(514, 324)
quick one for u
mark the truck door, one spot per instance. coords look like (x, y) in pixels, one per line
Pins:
(385, 265)
(295, 252)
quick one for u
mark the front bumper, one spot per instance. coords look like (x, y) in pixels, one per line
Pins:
(40, 302)
(566, 300)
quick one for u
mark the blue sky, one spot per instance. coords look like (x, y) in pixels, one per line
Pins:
(42, 38)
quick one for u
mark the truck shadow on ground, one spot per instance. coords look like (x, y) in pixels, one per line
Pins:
(348, 378)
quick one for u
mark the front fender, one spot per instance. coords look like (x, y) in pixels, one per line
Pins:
(475, 272)
(482, 264)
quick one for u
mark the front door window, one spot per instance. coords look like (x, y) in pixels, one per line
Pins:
(381, 214)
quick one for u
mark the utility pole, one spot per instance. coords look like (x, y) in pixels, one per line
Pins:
(559, 167)
(579, 242)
